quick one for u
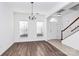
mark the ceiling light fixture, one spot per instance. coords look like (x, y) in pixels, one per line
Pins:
(53, 20)
(32, 16)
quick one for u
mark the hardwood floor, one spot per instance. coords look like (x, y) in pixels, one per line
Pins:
(38, 48)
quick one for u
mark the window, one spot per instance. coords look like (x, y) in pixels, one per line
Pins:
(23, 26)
(39, 28)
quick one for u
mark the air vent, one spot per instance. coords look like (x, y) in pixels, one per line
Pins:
(76, 7)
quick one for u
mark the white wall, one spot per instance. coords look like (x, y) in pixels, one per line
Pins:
(72, 40)
(6, 27)
(54, 29)
(67, 19)
(32, 34)
(51, 30)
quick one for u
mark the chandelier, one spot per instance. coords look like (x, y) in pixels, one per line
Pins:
(32, 16)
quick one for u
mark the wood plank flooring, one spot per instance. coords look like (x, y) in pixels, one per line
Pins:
(37, 48)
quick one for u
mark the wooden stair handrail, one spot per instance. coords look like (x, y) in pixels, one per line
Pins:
(68, 27)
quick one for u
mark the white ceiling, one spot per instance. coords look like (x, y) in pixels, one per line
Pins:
(44, 8)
